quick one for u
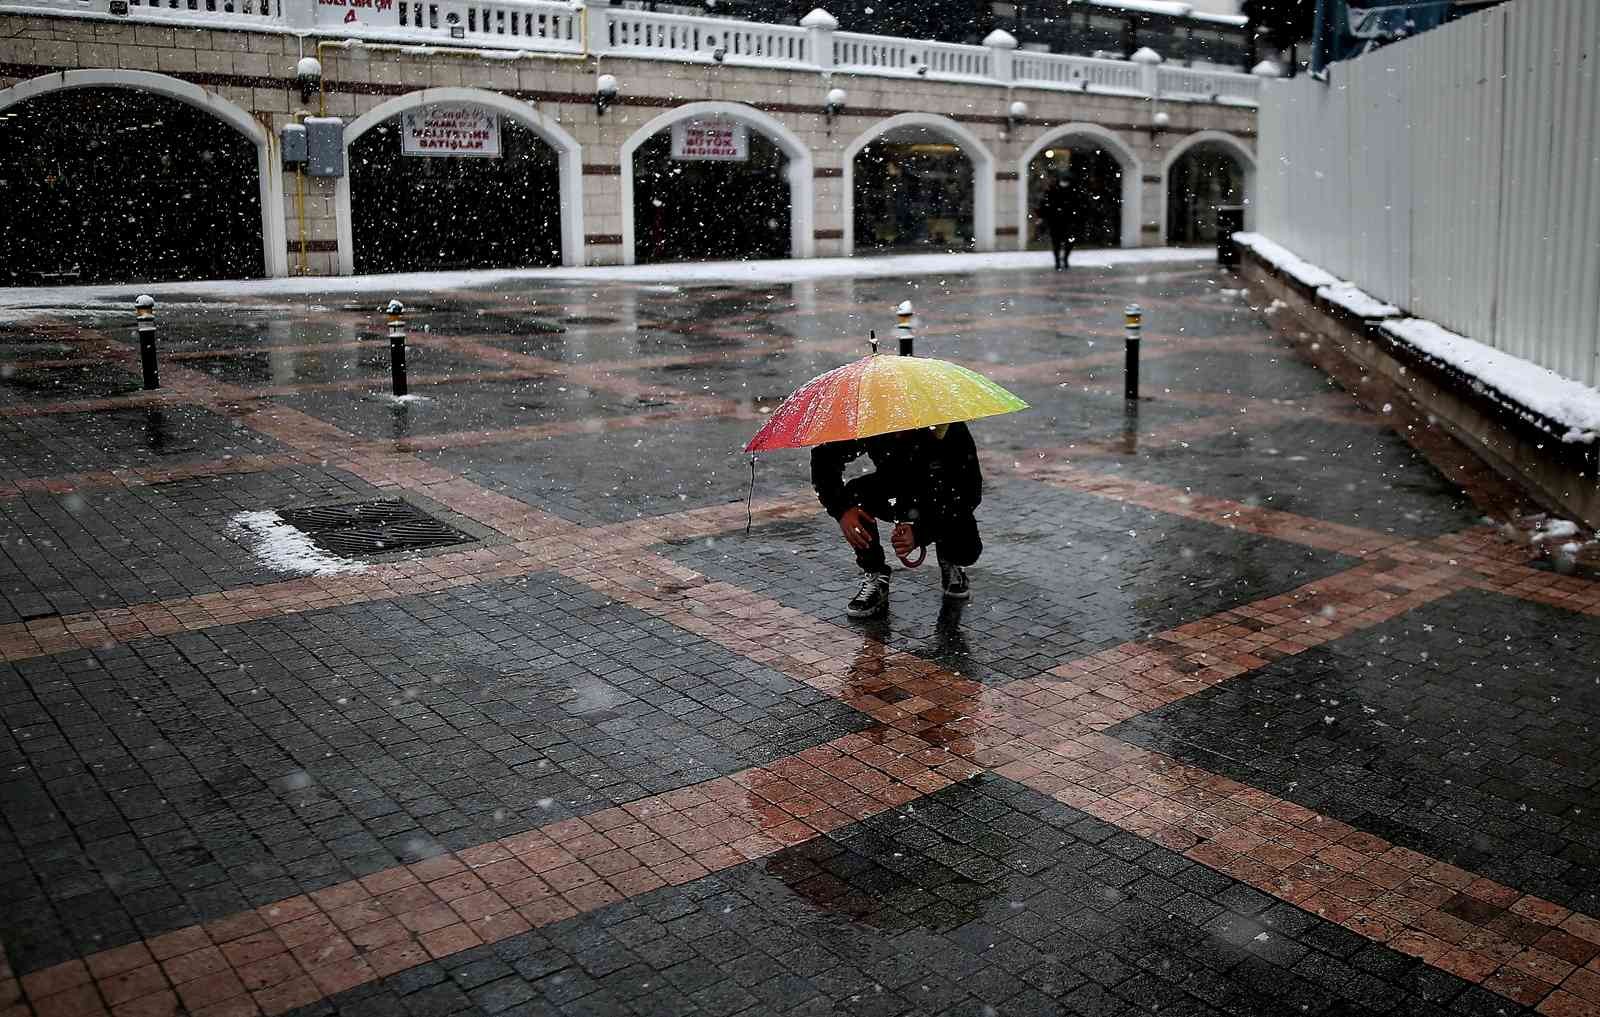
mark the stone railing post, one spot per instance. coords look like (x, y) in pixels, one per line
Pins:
(597, 25)
(299, 15)
(820, 26)
(1149, 62)
(1002, 44)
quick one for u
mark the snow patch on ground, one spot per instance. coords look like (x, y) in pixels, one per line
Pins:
(281, 547)
(1574, 406)
(1285, 260)
(779, 271)
(1358, 302)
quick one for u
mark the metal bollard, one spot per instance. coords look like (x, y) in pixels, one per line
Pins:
(397, 345)
(144, 313)
(904, 315)
(1132, 325)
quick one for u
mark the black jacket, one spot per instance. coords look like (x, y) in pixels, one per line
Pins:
(929, 477)
(1060, 209)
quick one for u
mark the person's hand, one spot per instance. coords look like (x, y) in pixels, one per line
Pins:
(855, 524)
(904, 539)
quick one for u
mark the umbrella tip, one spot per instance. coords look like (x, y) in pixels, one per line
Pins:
(872, 339)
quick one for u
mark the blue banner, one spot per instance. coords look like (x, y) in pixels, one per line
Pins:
(1349, 28)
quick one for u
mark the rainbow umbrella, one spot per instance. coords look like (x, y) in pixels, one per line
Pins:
(879, 394)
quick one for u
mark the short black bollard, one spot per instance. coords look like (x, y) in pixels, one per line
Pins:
(144, 313)
(904, 319)
(1132, 325)
(397, 345)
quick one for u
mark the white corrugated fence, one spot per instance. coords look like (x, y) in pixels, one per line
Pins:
(1456, 175)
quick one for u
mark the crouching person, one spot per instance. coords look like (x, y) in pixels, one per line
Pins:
(927, 482)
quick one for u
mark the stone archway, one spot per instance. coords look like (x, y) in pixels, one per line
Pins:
(1215, 142)
(268, 181)
(1131, 184)
(568, 153)
(978, 154)
(798, 171)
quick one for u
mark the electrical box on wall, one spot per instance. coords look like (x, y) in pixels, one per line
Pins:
(324, 146)
(294, 145)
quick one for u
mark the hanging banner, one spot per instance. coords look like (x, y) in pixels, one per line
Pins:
(712, 139)
(452, 129)
(1348, 28)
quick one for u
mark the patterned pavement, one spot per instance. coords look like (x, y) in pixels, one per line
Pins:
(1256, 708)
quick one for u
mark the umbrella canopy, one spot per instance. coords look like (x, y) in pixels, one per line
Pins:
(880, 394)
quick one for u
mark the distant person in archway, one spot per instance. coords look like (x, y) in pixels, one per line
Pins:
(1061, 214)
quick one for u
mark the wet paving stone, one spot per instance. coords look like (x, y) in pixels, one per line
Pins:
(54, 444)
(371, 412)
(34, 386)
(370, 362)
(1063, 574)
(605, 476)
(1464, 729)
(983, 899)
(171, 781)
(112, 547)
(1359, 476)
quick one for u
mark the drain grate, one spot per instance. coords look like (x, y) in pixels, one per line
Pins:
(371, 527)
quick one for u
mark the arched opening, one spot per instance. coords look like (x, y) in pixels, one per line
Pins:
(419, 203)
(1202, 178)
(1093, 176)
(912, 190)
(725, 200)
(107, 183)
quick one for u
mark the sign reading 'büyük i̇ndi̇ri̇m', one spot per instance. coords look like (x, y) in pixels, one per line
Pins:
(453, 129)
(694, 140)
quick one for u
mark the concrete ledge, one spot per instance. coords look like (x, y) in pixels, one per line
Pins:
(1514, 440)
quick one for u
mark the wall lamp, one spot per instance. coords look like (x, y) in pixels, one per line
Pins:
(834, 104)
(605, 91)
(308, 75)
(1159, 123)
(1015, 116)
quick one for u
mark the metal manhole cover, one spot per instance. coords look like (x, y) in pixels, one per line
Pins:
(372, 527)
(589, 319)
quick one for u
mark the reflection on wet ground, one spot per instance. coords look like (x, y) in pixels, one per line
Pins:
(1247, 714)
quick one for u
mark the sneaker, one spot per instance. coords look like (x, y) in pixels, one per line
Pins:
(954, 578)
(872, 600)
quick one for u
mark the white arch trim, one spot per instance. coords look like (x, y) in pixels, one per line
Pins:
(569, 156)
(983, 173)
(1132, 175)
(1235, 147)
(802, 210)
(275, 260)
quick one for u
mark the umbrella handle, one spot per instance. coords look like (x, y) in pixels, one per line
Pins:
(922, 554)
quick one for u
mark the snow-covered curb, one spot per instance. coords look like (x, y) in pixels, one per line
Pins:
(1574, 407)
(754, 272)
(1569, 409)
(1286, 261)
(1357, 302)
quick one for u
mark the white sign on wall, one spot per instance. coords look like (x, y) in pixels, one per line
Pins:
(367, 13)
(717, 138)
(451, 129)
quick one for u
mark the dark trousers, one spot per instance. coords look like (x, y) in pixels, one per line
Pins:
(1061, 243)
(955, 538)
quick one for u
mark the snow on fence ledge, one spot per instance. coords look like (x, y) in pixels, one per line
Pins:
(551, 26)
(1566, 409)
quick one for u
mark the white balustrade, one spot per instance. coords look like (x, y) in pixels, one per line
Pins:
(199, 13)
(1195, 83)
(1057, 70)
(678, 37)
(529, 25)
(551, 26)
(890, 57)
